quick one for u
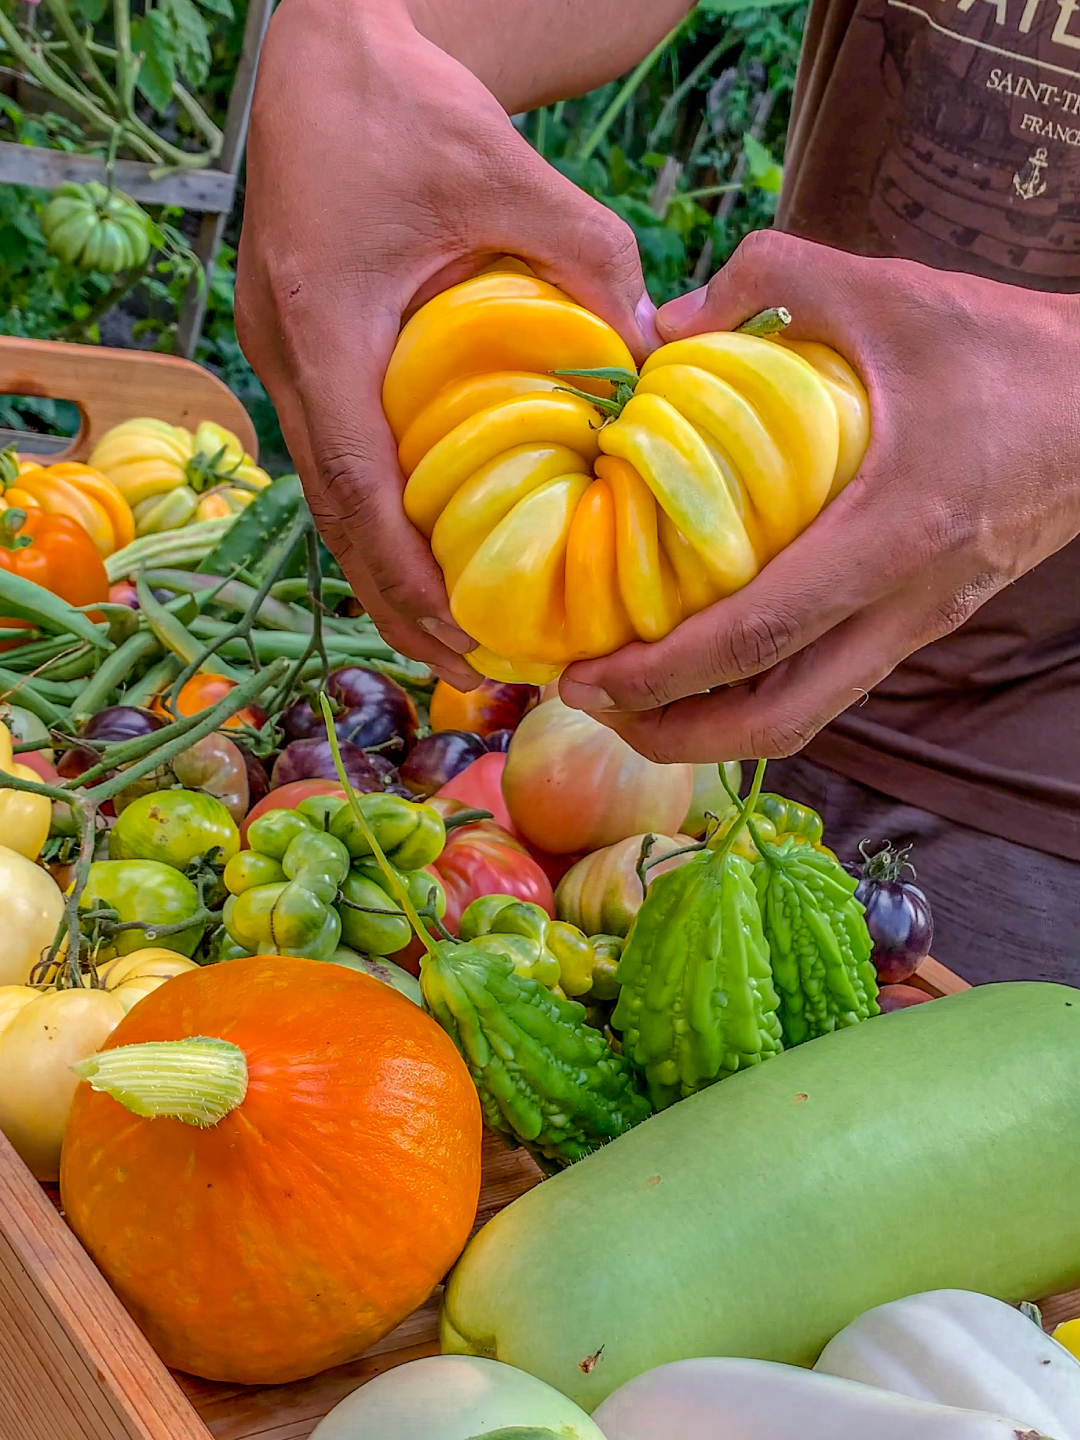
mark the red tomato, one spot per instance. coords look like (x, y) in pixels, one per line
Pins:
(287, 797)
(483, 859)
(40, 766)
(899, 997)
(479, 786)
(123, 592)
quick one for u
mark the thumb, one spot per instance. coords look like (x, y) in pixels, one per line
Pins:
(769, 268)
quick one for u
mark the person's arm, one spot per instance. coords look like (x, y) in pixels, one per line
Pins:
(534, 52)
(972, 478)
(380, 170)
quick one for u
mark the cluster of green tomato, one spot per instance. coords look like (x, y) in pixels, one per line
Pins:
(310, 882)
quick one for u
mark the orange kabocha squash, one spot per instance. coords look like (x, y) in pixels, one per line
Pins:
(318, 1180)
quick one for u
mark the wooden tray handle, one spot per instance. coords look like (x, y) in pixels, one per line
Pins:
(109, 386)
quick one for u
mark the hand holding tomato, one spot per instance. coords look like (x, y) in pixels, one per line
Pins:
(923, 536)
(430, 182)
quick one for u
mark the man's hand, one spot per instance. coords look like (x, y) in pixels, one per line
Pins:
(380, 171)
(972, 478)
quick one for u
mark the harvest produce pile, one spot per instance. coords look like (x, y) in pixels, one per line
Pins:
(287, 924)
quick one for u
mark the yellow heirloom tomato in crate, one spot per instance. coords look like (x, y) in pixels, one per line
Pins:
(171, 477)
(572, 512)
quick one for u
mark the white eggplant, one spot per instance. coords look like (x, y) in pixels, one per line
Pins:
(726, 1399)
(456, 1397)
(955, 1347)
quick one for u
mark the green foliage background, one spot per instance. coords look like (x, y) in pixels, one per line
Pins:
(685, 149)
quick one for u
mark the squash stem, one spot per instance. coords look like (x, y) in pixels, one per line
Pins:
(198, 1081)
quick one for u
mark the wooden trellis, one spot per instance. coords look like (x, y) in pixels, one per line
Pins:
(209, 191)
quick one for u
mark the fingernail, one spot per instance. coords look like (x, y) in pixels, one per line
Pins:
(448, 635)
(645, 315)
(586, 697)
(679, 312)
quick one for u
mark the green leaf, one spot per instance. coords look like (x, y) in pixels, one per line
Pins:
(90, 10)
(733, 7)
(191, 40)
(152, 39)
(218, 7)
(764, 171)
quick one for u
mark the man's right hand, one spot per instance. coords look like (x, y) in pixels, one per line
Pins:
(380, 171)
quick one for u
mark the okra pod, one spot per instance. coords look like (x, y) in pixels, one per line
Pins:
(173, 547)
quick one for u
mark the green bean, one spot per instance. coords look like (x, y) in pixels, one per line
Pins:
(297, 589)
(232, 595)
(21, 691)
(175, 636)
(112, 673)
(26, 601)
(269, 644)
(76, 664)
(158, 678)
(38, 652)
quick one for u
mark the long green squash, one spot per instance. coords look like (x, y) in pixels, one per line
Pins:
(934, 1148)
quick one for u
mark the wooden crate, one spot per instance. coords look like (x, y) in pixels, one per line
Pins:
(110, 386)
(73, 1365)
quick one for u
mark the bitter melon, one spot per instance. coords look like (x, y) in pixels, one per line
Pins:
(819, 945)
(697, 1001)
(542, 1074)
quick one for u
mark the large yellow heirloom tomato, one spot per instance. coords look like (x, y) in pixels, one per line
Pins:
(567, 526)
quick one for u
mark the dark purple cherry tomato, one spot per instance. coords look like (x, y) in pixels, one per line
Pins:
(314, 760)
(121, 722)
(371, 710)
(386, 711)
(897, 914)
(499, 740)
(437, 758)
(258, 779)
(386, 770)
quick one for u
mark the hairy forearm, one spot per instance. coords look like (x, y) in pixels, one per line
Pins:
(533, 52)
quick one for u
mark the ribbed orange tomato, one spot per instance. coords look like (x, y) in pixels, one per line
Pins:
(323, 1208)
(201, 692)
(493, 705)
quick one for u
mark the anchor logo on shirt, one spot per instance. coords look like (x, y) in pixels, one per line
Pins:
(1026, 182)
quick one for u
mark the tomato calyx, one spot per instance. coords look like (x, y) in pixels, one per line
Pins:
(204, 472)
(624, 382)
(11, 522)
